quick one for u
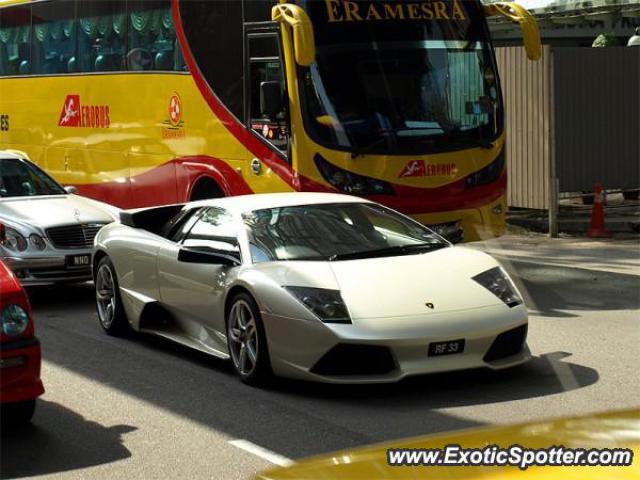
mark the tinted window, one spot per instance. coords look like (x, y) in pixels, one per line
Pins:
(265, 66)
(152, 41)
(332, 231)
(214, 231)
(15, 38)
(214, 34)
(102, 36)
(96, 36)
(53, 43)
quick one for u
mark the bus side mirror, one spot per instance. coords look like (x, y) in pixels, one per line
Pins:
(271, 103)
(519, 14)
(304, 46)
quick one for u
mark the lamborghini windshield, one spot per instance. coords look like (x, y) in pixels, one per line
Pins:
(400, 77)
(340, 231)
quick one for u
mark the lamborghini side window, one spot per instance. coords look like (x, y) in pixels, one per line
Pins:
(176, 228)
(215, 231)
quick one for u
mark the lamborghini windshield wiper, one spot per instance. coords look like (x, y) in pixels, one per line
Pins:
(388, 251)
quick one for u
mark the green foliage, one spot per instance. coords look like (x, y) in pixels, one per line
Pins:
(605, 40)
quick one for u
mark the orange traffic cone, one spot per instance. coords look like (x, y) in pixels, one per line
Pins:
(597, 228)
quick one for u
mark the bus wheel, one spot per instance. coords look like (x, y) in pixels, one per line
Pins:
(205, 188)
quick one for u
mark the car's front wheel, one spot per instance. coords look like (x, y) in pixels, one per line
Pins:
(111, 314)
(247, 341)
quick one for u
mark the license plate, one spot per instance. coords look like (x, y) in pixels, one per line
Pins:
(449, 347)
(78, 261)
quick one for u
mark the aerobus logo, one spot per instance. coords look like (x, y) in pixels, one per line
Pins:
(418, 168)
(83, 116)
(175, 110)
(174, 125)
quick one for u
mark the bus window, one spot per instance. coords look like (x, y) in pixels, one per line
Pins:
(152, 41)
(54, 37)
(265, 72)
(102, 36)
(214, 33)
(15, 37)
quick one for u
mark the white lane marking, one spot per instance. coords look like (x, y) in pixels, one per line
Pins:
(261, 452)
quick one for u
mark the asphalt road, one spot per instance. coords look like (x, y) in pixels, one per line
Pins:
(143, 408)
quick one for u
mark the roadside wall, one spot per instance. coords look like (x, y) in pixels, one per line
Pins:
(526, 89)
(597, 106)
(574, 115)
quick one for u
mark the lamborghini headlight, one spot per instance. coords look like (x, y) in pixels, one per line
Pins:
(499, 283)
(325, 304)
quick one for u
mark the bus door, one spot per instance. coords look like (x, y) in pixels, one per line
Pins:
(266, 105)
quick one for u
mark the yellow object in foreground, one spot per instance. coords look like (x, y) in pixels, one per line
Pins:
(614, 430)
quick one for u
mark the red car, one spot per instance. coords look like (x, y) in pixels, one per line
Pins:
(20, 357)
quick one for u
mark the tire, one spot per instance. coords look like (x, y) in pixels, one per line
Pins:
(111, 314)
(242, 340)
(17, 413)
(204, 189)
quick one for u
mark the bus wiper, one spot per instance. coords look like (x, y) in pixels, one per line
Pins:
(474, 141)
(388, 251)
(360, 151)
(385, 136)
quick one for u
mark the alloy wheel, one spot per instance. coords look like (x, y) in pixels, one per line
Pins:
(243, 338)
(105, 296)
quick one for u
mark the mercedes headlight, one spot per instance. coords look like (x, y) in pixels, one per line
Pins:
(499, 283)
(37, 241)
(13, 240)
(325, 304)
(15, 320)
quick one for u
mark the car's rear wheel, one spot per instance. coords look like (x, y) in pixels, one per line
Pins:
(111, 314)
(247, 341)
(18, 413)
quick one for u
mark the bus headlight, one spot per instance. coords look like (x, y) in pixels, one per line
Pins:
(14, 320)
(488, 174)
(350, 182)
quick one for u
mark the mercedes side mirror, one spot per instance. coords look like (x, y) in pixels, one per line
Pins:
(71, 190)
(194, 255)
(271, 103)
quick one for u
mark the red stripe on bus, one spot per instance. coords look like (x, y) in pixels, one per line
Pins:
(416, 200)
(276, 163)
(171, 182)
(454, 196)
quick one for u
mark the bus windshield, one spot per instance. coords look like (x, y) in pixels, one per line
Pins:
(390, 77)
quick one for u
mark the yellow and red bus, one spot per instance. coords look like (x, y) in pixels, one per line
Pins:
(146, 102)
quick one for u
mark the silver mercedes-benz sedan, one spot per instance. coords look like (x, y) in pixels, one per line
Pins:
(46, 233)
(313, 286)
